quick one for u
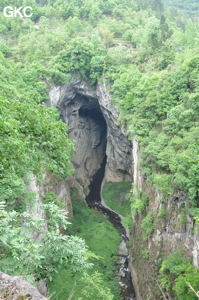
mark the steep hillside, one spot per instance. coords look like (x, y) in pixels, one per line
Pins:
(190, 7)
(124, 77)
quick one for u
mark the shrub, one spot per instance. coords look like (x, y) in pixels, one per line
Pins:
(162, 213)
(147, 225)
(51, 198)
(176, 272)
(139, 202)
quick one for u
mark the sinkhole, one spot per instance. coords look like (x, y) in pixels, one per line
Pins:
(89, 128)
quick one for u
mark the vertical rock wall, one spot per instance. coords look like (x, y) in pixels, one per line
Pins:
(93, 123)
(60, 189)
(169, 234)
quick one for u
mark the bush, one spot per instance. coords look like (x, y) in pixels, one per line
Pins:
(162, 213)
(147, 225)
(139, 202)
(176, 272)
(51, 198)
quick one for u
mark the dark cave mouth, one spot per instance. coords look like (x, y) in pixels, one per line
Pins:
(95, 114)
(94, 195)
(93, 111)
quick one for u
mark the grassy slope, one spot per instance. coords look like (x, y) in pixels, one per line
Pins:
(114, 194)
(102, 239)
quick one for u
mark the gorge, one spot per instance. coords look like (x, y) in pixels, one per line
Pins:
(103, 152)
(103, 147)
(99, 110)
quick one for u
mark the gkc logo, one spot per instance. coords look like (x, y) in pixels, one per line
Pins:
(10, 11)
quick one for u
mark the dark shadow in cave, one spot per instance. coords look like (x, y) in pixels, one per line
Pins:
(94, 196)
(95, 114)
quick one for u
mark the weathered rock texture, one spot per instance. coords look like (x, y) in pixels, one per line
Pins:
(17, 288)
(93, 123)
(170, 233)
(60, 189)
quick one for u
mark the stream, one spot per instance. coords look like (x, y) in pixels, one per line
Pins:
(94, 200)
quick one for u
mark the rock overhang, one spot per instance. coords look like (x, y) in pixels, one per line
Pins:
(93, 123)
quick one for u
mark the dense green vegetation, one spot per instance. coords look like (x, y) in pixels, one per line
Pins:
(103, 240)
(148, 53)
(177, 273)
(24, 252)
(115, 196)
(191, 7)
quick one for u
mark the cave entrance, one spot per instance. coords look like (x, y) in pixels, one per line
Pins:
(95, 114)
(87, 126)
(94, 196)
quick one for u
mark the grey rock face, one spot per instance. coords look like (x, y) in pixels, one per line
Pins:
(60, 189)
(17, 288)
(93, 123)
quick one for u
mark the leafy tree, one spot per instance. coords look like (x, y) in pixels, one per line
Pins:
(14, 192)
(32, 137)
(94, 287)
(107, 37)
(33, 247)
(177, 272)
(77, 56)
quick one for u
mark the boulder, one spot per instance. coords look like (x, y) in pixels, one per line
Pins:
(17, 288)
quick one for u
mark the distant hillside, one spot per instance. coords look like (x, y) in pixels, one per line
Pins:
(190, 6)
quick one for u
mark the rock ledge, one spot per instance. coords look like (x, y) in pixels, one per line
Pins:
(17, 288)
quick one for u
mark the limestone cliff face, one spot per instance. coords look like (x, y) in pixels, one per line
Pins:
(170, 233)
(60, 189)
(93, 123)
(17, 288)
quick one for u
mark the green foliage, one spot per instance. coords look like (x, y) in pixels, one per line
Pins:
(32, 245)
(181, 287)
(107, 37)
(14, 192)
(128, 222)
(162, 111)
(145, 252)
(115, 196)
(176, 272)
(94, 286)
(79, 180)
(149, 55)
(32, 137)
(174, 264)
(139, 201)
(51, 198)
(191, 7)
(147, 225)
(80, 55)
(183, 217)
(162, 213)
(162, 182)
(103, 240)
